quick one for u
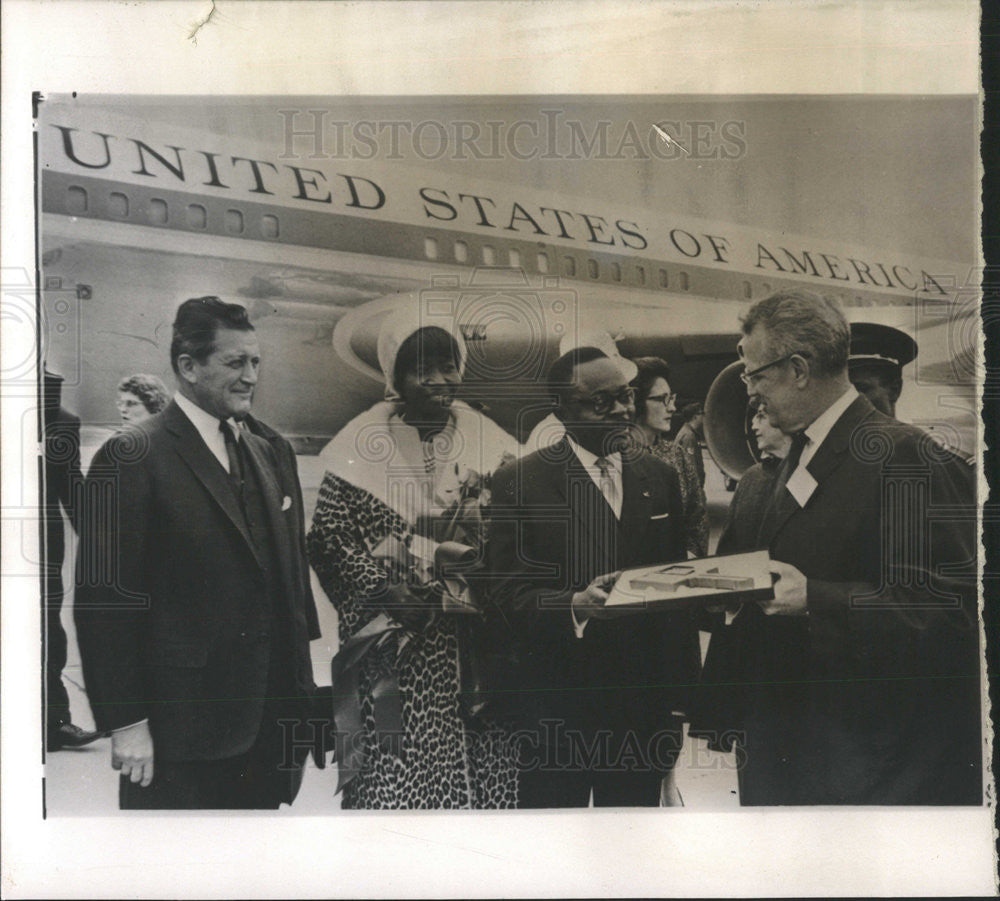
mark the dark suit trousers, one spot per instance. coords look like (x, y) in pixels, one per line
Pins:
(263, 778)
(57, 700)
(251, 781)
(622, 765)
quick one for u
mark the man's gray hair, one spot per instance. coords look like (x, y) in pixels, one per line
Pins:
(799, 321)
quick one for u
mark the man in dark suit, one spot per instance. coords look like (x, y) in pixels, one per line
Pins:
(61, 482)
(863, 672)
(192, 609)
(594, 691)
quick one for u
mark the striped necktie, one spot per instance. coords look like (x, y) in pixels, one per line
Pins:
(609, 487)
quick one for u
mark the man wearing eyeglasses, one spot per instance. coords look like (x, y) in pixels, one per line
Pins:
(863, 673)
(594, 690)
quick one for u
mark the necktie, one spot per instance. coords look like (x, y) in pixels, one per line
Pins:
(608, 486)
(799, 442)
(771, 514)
(233, 451)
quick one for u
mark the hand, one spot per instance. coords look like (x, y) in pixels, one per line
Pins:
(789, 591)
(590, 603)
(132, 753)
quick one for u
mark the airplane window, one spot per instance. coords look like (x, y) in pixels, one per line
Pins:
(685, 281)
(158, 211)
(593, 269)
(197, 216)
(543, 262)
(461, 251)
(269, 226)
(118, 205)
(616, 272)
(640, 274)
(76, 200)
(569, 266)
(514, 258)
(664, 280)
(489, 255)
(430, 248)
(234, 222)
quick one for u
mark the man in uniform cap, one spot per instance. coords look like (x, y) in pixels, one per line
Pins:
(875, 365)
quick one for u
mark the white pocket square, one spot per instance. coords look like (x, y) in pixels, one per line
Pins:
(659, 516)
(286, 503)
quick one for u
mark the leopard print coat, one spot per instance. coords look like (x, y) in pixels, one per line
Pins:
(441, 759)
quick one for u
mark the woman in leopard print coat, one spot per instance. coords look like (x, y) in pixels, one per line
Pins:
(393, 473)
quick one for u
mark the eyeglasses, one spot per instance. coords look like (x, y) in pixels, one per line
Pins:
(750, 377)
(604, 403)
(665, 399)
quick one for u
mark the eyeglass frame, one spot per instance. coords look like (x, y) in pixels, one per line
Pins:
(603, 404)
(748, 378)
(665, 399)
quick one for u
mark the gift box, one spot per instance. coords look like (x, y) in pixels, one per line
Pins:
(705, 581)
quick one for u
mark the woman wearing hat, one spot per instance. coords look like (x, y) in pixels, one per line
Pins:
(404, 481)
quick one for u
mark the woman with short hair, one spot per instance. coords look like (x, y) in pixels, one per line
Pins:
(141, 396)
(654, 408)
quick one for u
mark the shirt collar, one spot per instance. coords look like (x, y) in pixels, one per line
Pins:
(206, 424)
(821, 426)
(589, 460)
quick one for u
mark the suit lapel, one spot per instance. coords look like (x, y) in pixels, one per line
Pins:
(256, 455)
(595, 522)
(637, 498)
(828, 457)
(206, 468)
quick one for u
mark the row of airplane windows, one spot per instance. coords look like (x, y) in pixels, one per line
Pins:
(196, 217)
(569, 265)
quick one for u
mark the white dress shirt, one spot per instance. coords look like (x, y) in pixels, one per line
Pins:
(820, 427)
(610, 485)
(208, 427)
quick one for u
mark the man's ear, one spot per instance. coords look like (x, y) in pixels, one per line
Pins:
(800, 368)
(185, 368)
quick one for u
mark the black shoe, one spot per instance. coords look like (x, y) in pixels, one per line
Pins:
(66, 735)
